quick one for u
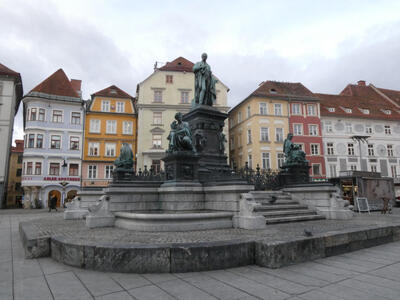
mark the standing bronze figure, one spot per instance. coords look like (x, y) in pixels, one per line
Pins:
(204, 84)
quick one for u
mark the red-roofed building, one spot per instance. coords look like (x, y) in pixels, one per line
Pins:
(10, 97)
(53, 125)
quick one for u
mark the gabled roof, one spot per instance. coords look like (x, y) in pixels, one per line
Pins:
(284, 89)
(375, 105)
(4, 71)
(56, 84)
(392, 94)
(179, 64)
(112, 91)
(360, 90)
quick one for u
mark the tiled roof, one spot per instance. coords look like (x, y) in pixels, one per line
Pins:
(6, 71)
(56, 84)
(392, 94)
(179, 64)
(19, 146)
(76, 85)
(112, 91)
(375, 105)
(285, 89)
(360, 90)
(19, 89)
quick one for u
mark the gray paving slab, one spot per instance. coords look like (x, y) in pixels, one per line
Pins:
(308, 269)
(66, 286)
(130, 281)
(332, 270)
(358, 262)
(318, 295)
(26, 268)
(116, 296)
(216, 288)
(342, 265)
(98, 283)
(150, 292)
(270, 280)
(6, 274)
(249, 286)
(183, 290)
(379, 281)
(6, 290)
(367, 257)
(32, 288)
(157, 278)
(50, 266)
(347, 292)
(370, 288)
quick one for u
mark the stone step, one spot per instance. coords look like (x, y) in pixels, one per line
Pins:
(287, 213)
(279, 202)
(294, 219)
(280, 207)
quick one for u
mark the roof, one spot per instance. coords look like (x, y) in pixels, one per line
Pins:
(19, 146)
(375, 105)
(392, 94)
(360, 90)
(6, 71)
(179, 64)
(56, 84)
(18, 85)
(112, 91)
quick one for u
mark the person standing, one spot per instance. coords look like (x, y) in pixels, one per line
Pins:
(53, 202)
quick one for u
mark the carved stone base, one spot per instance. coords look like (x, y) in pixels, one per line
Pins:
(181, 166)
(294, 174)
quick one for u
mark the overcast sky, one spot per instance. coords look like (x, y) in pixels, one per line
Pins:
(323, 44)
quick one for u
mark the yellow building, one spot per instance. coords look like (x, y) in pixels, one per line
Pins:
(258, 126)
(14, 190)
(111, 120)
(168, 90)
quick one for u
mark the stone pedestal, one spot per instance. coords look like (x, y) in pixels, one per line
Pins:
(247, 218)
(294, 174)
(100, 215)
(181, 168)
(74, 210)
(323, 197)
(206, 124)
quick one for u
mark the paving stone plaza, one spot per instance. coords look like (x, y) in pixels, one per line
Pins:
(371, 273)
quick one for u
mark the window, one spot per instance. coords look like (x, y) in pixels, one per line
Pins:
(94, 126)
(393, 168)
(57, 116)
(331, 109)
(108, 171)
(73, 169)
(313, 130)
(250, 161)
(365, 111)
(368, 129)
(348, 110)
(156, 164)
(55, 142)
(281, 159)
(371, 151)
(184, 97)
(19, 159)
(350, 149)
(248, 136)
(314, 149)
(74, 143)
(298, 129)
(157, 118)
(278, 109)
(168, 78)
(263, 109)
(105, 105)
(279, 134)
(330, 149)
(311, 111)
(353, 167)
(157, 138)
(239, 117)
(41, 114)
(19, 173)
(265, 161)
(389, 150)
(38, 168)
(328, 127)
(349, 128)
(39, 141)
(31, 141)
(248, 112)
(120, 107)
(54, 169)
(33, 114)
(127, 127)
(296, 109)
(373, 168)
(157, 96)
(29, 168)
(111, 126)
(76, 118)
(92, 172)
(332, 170)
(388, 130)
(94, 149)
(387, 111)
(110, 149)
(264, 136)
(316, 169)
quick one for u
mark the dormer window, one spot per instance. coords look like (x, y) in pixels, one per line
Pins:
(386, 111)
(365, 111)
(273, 91)
(113, 91)
(347, 110)
(331, 109)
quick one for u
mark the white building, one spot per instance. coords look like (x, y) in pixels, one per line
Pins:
(360, 118)
(53, 125)
(10, 96)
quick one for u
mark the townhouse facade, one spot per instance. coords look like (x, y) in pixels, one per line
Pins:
(111, 120)
(53, 127)
(14, 188)
(168, 90)
(361, 131)
(11, 92)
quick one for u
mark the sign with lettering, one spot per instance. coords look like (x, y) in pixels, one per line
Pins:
(362, 204)
(61, 179)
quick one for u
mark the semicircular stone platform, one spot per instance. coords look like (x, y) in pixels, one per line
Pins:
(121, 250)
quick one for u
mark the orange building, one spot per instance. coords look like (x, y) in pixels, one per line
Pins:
(14, 189)
(111, 120)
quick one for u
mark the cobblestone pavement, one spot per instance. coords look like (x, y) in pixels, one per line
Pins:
(372, 273)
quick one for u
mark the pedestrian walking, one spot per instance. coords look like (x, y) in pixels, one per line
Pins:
(53, 202)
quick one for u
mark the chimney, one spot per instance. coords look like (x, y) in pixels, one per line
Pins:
(19, 145)
(76, 85)
(361, 83)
